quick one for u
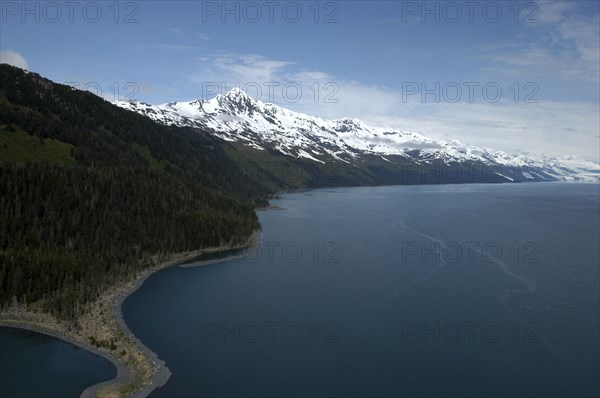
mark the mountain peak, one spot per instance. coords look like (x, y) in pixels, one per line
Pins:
(237, 100)
(236, 91)
(237, 94)
(236, 116)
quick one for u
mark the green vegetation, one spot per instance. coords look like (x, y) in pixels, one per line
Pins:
(67, 233)
(18, 146)
(153, 164)
(90, 193)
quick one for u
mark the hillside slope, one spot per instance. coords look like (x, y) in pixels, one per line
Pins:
(237, 117)
(89, 193)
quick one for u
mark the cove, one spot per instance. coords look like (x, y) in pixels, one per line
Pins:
(37, 365)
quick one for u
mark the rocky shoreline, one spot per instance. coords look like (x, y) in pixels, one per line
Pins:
(139, 370)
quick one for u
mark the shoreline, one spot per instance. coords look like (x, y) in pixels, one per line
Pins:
(122, 371)
(125, 372)
(270, 207)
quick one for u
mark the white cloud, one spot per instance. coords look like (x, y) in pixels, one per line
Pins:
(548, 12)
(177, 31)
(314, 76)
(565, 45)
(584, 32)
(552, 127)
(13, 58)
(250, 68)
(561, 128)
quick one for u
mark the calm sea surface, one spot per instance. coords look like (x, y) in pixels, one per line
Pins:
(457, 290)
(34, 365)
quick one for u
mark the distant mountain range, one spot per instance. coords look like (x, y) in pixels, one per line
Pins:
(91, 192)
(237, 117)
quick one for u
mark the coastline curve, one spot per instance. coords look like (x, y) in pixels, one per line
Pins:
(161, 373)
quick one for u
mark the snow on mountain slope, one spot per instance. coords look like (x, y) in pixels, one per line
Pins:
(235, 116)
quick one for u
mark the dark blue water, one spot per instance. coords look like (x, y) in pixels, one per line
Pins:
(34, 365)
(468, 290)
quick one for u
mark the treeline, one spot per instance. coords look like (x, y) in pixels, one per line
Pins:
(135, 190)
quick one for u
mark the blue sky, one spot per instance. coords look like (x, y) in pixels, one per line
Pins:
(434, 67)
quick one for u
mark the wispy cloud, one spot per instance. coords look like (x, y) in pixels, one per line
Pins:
(567, 127)
(13, 58)
(567, 46)
(553, 127)
(246, 68)
(177, 31)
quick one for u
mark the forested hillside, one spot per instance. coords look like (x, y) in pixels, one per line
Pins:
(89, 192)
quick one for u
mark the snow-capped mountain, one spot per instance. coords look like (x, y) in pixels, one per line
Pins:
(237, 117)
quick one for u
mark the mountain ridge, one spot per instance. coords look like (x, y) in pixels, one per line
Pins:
(237, 117)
